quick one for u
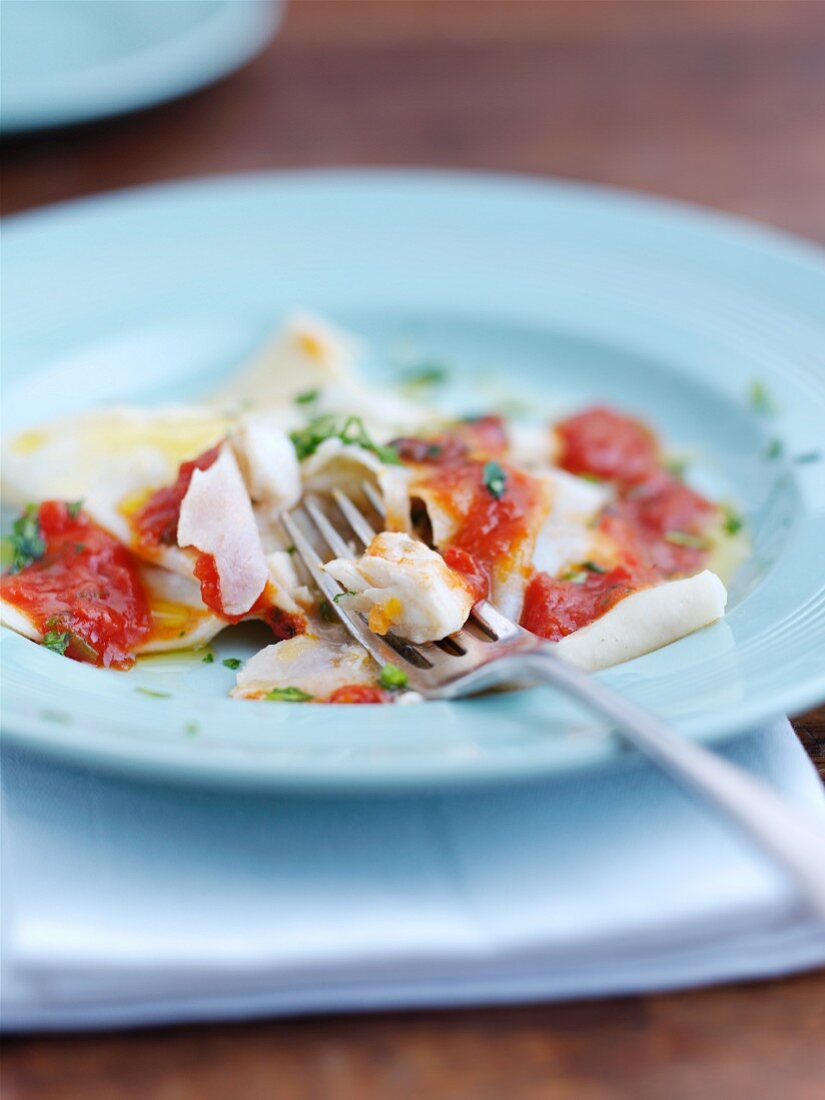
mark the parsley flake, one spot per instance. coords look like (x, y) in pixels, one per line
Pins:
(676, 467)
(232, 662)
(495, 479)
(424, 377)
(73, 508)
(575, 576)
(761, 399)
(154, 694)
(306, 441)
(27, 543)
(57, 641)
(340, 595)
(774, 449)
(392, 678)
(326, 612)
(307, 397)
(685, 538)
(208, 658)
(732, 522)
(594, 567)
(288, 695)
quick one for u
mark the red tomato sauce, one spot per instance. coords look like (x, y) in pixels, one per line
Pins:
(207, 573)
(665, 514)
(86, 585)
(491, 529)
(657, 522)
(607, 445)
(481, 436)
(284, 624)
(554, 608)
(156, 521)
(358, 693)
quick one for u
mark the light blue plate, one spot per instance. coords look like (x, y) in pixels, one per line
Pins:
(67, 61)
(566, 293)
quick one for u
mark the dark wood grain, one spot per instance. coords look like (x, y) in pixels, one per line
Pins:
(716, 103)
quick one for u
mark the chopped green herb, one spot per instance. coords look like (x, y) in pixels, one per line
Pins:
(684, 538)
(761, 399)
(775, 449)
(732, 522)
(291, 550)
(208, 658)
(676, 467)
(326, 612)
(232, 662)
(495, 479)
(340, 595)
(73, 508)
(594, 478)
(351, 431)
(191, 728)
(154, 694)
(59, 716)
(594, 567)
(806, 457)
(574, 576)
(79, 547)
(6, 553)
(58, 641)
(307, 397)
(424, 377)
(393, 678)
(58, 637)
(27, 543)
(288, 695)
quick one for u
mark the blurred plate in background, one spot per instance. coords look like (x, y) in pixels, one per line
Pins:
(66, 61)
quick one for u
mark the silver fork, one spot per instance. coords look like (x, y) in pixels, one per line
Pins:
(491, 650)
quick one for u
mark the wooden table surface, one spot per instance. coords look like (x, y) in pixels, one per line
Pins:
(716, 103)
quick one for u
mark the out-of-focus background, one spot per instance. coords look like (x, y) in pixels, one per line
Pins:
(715, 102)
(720, 102)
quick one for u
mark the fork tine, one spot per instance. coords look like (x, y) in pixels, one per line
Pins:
(374, 497)
(373, 643)
(331, 537)
(354, 517)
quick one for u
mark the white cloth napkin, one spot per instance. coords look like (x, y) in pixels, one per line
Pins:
(125, 903)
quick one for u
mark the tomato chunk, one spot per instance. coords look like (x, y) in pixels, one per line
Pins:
(84, 594)
(358, 693)
(608, 445)
(554, 608)
(479, 436)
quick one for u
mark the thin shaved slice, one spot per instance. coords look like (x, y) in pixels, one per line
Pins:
(305, 355)
(216, 518)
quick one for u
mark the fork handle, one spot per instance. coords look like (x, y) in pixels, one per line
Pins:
(793, 839)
